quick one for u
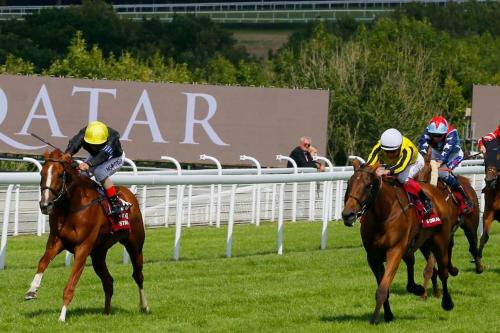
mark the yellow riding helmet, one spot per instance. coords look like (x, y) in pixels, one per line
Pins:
(96, 133)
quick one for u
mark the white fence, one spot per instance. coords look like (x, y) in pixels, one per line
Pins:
(211, 197)
(247, 12)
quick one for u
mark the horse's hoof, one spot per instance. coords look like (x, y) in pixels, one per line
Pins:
(388, 316)
(146, 309)
(415, 289)
(374, 321)
(453, 271)
(423, 297)
(479, 268)
(447, 304)
(30, 295)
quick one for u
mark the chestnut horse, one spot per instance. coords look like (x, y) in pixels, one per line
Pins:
(391, 230)
(79, 224)
(469, 223)
(491, 213)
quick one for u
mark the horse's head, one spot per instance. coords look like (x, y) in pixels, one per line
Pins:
(362, 188)
(54, 180)
(424, 174)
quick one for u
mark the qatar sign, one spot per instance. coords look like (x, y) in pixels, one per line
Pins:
(485, 109)
(179, 120)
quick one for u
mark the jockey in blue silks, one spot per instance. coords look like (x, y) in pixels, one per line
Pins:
(445, 143)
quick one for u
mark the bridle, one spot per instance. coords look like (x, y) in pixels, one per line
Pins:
(63, 188)
(365, 204)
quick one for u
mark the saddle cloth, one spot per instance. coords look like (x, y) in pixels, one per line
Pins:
(430, 220)
(120, 221)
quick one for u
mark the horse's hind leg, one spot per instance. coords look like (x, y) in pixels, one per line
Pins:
(136, 257)
(488, 217)
(411, 286)
(99, 264)
(453, 270)
(470, 230)
(443, 262)
(53, 247)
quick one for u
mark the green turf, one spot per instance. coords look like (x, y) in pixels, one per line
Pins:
(305, 290)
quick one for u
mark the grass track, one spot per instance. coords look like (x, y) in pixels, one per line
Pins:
(305, 290)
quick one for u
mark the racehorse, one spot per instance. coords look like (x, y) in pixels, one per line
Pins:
(391, 230)
(79, 224)
(491, 213)
(491, 194)
(469, 222)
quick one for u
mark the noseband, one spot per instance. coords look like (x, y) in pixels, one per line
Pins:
(63, 189)
(373, 192)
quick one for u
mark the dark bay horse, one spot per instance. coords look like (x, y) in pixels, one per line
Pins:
(79, 224)
(392, 231)
(491, 213)
(469, 223)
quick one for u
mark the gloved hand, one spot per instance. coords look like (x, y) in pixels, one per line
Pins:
(83, 166)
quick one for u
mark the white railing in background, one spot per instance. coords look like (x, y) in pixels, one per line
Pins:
(153, 197)
(246, 12)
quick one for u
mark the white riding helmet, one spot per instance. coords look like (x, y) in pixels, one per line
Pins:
(391, 139)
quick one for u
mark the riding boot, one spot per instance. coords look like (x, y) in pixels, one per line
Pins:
(456, 187)
(425, 201)
(114, 205)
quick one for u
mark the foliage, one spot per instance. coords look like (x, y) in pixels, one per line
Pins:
(15, 65)
(304, 290)
(44, 37)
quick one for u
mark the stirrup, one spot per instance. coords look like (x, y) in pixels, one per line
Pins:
(427, 207)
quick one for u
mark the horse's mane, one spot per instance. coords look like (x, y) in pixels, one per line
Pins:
(69, 166)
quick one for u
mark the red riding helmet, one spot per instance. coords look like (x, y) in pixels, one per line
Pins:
(438, 125)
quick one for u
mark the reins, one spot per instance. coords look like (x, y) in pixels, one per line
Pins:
(65, 188)
(365, 204)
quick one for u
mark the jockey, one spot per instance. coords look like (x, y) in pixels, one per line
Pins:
(490, 161)
(445, 144)
(401, 159)
(105, 157)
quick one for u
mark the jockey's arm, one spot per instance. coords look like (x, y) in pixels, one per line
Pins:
(451, 143)
(487, 138)
(423, 142)
(403, 162)
(75, 143)
(373, 157)
(105, 152)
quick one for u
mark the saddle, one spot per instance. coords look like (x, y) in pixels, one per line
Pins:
(457, 198)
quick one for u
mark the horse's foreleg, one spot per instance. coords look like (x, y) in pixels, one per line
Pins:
(54, 246)
(394, 257)
(81, 254)
(99, 264)
(378, 269)
(428, 272)
(137, 264)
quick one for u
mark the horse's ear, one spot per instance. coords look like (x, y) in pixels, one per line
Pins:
(428, 155)
(46, 154)
(356, 164)
(67, 158)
